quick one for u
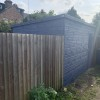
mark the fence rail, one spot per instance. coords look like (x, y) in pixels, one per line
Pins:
(26, 60)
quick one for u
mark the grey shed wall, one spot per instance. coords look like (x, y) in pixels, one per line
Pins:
(78, 41)
(53, 25)
(78, 48)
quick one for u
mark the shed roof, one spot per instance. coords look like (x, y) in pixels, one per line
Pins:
(66, 16)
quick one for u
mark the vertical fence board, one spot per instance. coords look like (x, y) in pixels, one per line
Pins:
(62, 61)
(97, 47)
(50, 59)
(20, 67)
(43, 59)
(24, 50)
(6, 76)
(56, 64)
(35, 59)
(10, 66)
(2, 87)
(28, 62)
(15, 66)
(53, 62)
(39, 60)
(32, 60)
(42, 66)
(46, 61)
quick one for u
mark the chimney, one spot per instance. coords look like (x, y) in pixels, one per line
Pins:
(8, 3)
(15, 5)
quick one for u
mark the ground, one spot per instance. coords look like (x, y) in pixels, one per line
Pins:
(87, 86)
(97, 97)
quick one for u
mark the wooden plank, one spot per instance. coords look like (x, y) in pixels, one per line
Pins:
(10, 66)
(6, 75)
(35, 59)
(53, 62)
(38, 60)
(44, 60)
(56, 63)
(15, 66)
(59, 63)
(42, 66)
(50, 59)
(62, 60)
(20, 67)
(32, 61)
(28, 62)
(24, 53)
(2, 89)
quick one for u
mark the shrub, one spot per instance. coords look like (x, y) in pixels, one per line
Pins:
(5, 27)
(42, 93)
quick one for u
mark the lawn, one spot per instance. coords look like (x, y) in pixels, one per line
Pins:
(87, 86)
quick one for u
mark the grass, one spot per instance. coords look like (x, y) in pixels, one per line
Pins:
(86, 86)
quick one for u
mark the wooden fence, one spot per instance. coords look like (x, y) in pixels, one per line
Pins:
(97, 46)
(98, 42)
(26, 60)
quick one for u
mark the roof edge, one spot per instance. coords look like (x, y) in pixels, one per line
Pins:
(53, 18)
(79, 20)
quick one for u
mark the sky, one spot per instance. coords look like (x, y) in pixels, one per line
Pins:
(85, 8)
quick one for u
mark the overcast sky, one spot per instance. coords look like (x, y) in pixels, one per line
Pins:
(85, 8)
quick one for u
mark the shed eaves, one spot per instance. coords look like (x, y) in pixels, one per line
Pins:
(53, 18)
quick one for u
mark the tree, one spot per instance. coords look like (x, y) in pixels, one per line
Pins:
(73, 13)
(6, 26)
(38, 15)
(96, 19)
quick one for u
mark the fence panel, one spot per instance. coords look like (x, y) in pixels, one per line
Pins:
(27, 60)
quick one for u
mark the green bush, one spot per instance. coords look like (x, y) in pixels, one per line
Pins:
(64, 96)
(42, 93)
(5, 27)
(51, 94)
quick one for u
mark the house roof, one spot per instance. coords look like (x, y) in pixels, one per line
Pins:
(5, 9)
(9, 8)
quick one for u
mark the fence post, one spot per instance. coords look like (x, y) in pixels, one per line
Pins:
(94, 43)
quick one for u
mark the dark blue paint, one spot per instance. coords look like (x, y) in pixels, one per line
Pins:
(77, 42)
(78, 48)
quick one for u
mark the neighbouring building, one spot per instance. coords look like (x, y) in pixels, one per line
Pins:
(10, 11)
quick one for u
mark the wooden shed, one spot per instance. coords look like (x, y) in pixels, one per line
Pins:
(78, 40)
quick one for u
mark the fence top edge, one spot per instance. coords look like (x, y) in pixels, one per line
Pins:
(35, 34)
